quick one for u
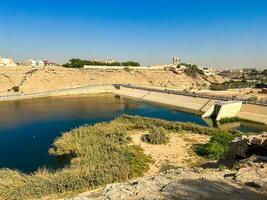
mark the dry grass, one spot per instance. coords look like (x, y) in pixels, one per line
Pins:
(101, 154)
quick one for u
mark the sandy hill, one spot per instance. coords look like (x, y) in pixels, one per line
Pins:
(31, 79)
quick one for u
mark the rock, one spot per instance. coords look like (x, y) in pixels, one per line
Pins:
(245, 146)
(188, 184)
(255, 184)
(250, 174)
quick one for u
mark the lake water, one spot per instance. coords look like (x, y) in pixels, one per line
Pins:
(28, 128)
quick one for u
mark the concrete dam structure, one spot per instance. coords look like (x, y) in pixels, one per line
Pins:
(223, 109)
(202, 106)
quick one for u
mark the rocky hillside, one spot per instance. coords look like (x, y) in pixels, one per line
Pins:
(246, 180)
(44, 78)
(193, 184)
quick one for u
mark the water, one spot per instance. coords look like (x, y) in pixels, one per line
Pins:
(28, 128)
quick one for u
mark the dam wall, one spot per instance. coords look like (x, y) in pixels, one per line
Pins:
(193, 104)
(186, 102)
(100, 67)
(223, 109)
(94, 89)
(227, 109)
(255, 113)
(198, 105)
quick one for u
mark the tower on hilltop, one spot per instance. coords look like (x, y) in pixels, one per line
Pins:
(176, 61)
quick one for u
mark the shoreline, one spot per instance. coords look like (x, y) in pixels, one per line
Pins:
(194, 105)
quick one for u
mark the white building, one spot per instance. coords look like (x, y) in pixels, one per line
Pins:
(207, 71)
(108, 61)
(176, 61)
(34, 63)
(7, 62)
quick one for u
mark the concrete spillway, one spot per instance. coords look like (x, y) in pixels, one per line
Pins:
(202, 106)
(223, 109)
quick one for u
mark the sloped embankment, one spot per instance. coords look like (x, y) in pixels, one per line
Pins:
(50, 78)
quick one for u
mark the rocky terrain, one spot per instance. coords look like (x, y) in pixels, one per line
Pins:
(246, 180)
(50, 78)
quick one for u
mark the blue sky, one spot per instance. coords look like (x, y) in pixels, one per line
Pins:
(227, 33)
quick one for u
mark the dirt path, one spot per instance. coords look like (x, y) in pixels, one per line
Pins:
(177, 152)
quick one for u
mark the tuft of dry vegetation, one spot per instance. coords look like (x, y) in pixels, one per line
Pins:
(157, 135)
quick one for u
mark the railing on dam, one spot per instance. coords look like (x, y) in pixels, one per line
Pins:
(192, 94)
(117, 86)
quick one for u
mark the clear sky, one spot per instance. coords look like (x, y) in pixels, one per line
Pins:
(229, 33)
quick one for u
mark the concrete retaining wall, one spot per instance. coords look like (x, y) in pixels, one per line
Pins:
(193, 104)
(228, 110)
(156, 67)
(221, 109)
(253, 113)
(257, 113)
(95, 89)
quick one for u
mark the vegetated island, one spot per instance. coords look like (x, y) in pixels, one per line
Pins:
(123, 149)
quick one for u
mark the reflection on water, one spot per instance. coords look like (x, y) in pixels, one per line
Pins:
(244, 126)
(28, 128)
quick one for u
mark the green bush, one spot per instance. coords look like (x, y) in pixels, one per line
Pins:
(79, 63)
(145, 123)
(191, 70)
(230, 120)
(156, 136)
(253, 98)
(217, 146)
(240, 84)
(130, 63)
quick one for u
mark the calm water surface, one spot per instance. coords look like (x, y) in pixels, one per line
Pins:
(28, 128)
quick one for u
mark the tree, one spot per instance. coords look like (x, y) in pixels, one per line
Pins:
(78, 63)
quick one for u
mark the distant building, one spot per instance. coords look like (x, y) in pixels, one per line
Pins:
(34, 63)
(176, 61)
(7, 62)
(49, 64)
(207, 71)
(108, 61)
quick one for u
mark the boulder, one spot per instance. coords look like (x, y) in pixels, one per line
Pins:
(251, 174)
(244, 147)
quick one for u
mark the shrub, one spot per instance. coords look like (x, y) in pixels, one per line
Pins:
(130, 63)
(217, 146)
(229, 120)
(15, 88)
(156, 136)
(138, 161)
(127, 69)
(144, 123)
(79, 63)
(167, 166)
(240, 84)
(218, 87)
(193, 71)
(254, 98)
